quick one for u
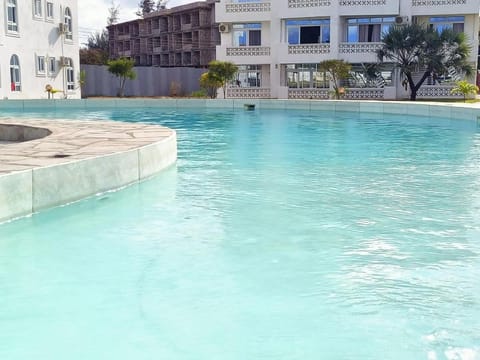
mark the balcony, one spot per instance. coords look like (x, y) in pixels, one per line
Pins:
(309, 93)
(249, 7)
(359, 48)
(248, 93)
(364, 94)
(308, 49)
(299, 4)
(249, 51)
(228, 11)
(367, 7)
(436, 91)
(444, 7)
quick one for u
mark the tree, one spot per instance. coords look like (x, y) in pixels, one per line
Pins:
(465, 88)
(412, 47)
(223, 72)
(337, 70)
(210, 83)
(123, 69)
(145, 7)
(113, 13)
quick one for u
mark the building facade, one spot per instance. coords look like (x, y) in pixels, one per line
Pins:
(39, 47)
(278, 44)
(181, 36)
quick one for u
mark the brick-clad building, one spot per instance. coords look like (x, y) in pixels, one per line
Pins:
(185, 35)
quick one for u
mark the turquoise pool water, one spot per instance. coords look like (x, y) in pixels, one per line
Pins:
(279, 235)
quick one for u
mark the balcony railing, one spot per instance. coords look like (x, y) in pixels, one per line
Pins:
(247, 7)
(248, 93)
(364, 93)
(438, 2)
(359, 48)
(249, 51)
(308, 3)
(308, 93)
(436, 91)
(363, 2)
(308, 49)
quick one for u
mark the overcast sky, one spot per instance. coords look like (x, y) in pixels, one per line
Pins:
(93, 13)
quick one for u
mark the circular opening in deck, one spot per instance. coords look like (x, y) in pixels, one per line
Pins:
(19, 133)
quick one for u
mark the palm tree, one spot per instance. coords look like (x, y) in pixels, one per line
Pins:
(465, 88)
(415, 47)
(223, 71)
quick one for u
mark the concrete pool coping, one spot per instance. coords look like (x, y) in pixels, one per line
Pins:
(76, 160)
(34, 184)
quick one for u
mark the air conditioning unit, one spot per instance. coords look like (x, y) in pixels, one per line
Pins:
(224, 28)
(62, 28)
(399, 20)
(64, 61)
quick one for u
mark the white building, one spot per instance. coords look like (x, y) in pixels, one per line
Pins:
(279, 43)
(38, 47)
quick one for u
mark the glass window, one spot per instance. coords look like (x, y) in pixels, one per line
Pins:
(440, 23)
(247, 34)
(369, 75)
(68, 24)
(40, 65)
(368, 29)
(15, 81)
(313, 31)
(305, 76)
(37, 8)
(12, 17)
(70, 75)
(49, 7)
(249, 76)
(52, 65)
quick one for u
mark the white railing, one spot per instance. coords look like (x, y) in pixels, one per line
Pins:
(308, 3)
(435, 91)
(308, 93)
(249, 51)
(248, 93)
(363, 2)
(309, 49)
(364, 93)
(438, 2)
(247, 7)
(359, 48)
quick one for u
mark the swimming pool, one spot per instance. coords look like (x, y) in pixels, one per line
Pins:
(279, 235)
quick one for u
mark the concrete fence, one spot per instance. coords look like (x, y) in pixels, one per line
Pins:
(150, 81)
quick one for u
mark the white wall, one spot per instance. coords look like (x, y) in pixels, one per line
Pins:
(38, 36)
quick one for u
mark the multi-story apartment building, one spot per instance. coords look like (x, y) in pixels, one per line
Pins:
(39, 47)
(278, 44)
(181, 36)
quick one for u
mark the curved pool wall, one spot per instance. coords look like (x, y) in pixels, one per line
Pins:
(47, 163)
(21, 195)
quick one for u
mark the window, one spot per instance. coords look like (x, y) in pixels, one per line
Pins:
(247, 34)
(368, 29)
(40, 65)
(304, 76)
(52, 66)
(37, 8)
(12, 17)
(70, 75)
(15, 82)
(68, 24)
(249, 76)
(313, 31)
(440, 23)
(49, 10)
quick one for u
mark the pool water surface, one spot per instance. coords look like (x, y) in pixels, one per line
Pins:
(278, 235)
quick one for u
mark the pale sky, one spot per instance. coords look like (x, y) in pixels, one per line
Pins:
(93, 14)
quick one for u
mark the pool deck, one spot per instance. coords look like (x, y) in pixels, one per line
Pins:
(77, 159)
